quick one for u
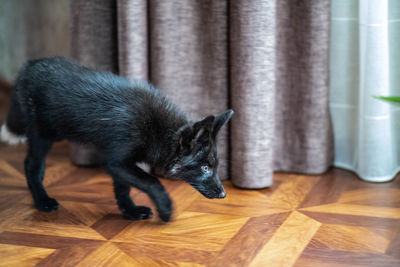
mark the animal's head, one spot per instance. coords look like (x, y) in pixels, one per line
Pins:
(196, 159)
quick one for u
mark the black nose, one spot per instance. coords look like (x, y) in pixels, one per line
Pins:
(222, 194)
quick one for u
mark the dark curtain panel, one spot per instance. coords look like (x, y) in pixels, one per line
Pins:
(267, 60)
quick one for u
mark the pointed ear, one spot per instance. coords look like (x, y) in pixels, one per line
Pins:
(202, 129)
(185, 138)
(198, 133)
(220, 120)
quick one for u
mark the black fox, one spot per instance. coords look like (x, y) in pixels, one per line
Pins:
(129, 122)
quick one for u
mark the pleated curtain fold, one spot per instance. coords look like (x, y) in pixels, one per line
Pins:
(267, 60)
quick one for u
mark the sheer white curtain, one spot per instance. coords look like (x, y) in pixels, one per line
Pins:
(365, 62)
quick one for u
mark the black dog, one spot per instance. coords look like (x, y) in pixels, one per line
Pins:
(130, 122)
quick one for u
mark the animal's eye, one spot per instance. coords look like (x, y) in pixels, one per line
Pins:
(205, 168)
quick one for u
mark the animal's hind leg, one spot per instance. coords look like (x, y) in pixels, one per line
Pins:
(125, 204)
(35, 164)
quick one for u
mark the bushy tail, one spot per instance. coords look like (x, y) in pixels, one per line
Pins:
(14, 128)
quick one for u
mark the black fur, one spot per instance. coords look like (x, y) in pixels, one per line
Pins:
(129, 122)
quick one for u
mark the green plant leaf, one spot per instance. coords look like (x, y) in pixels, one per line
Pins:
(391, 99)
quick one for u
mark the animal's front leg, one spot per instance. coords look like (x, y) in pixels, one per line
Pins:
(134, 176)
(125, 204)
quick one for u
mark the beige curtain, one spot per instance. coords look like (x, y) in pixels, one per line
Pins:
(266, 59)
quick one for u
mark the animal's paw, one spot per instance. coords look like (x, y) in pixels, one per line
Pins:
(165, 216)
(46, 204)
(165, 210)
(137, 213)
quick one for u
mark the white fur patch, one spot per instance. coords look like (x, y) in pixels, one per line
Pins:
(8, 137)
(144, 166)
(174, 170)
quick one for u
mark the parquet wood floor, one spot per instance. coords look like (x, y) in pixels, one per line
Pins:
(329, 220)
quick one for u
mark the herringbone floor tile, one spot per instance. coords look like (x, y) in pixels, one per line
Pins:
(329, 220)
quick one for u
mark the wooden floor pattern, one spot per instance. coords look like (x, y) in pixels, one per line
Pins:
(329, 220)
